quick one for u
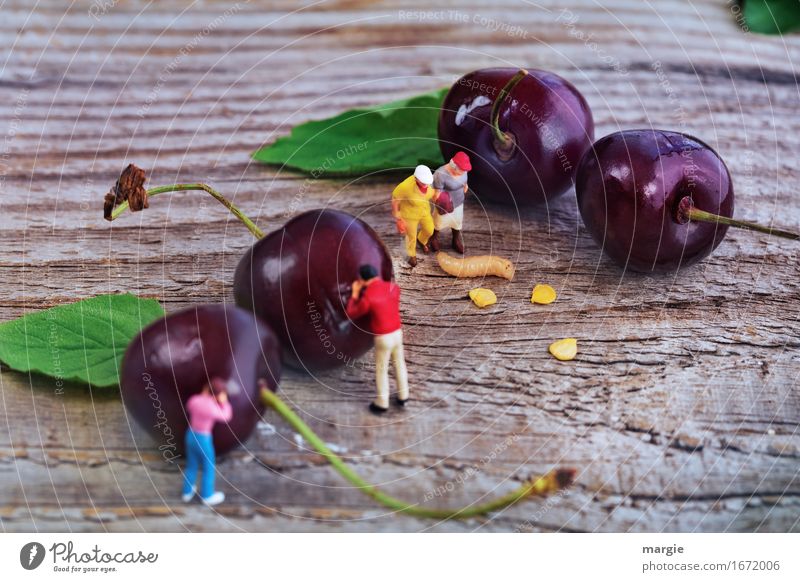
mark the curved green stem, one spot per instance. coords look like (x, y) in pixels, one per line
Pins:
(504, 141)
(541, 486)
(251, 226)
(688, 211)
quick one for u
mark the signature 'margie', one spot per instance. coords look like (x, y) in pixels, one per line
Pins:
(666, 550)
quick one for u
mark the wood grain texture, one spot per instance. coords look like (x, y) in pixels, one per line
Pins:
(681, 411)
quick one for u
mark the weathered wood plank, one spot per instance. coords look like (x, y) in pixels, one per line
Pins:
(682, 411)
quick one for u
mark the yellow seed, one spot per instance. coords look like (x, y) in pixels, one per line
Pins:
(543, 294)
(564, 349)
(483, 297)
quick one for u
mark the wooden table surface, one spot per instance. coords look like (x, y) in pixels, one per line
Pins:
(681, 411)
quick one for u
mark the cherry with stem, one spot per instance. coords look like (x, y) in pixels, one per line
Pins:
(656, 200)
(524, 130)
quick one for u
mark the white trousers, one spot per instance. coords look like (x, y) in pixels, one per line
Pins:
(388, 346)
(453, 219)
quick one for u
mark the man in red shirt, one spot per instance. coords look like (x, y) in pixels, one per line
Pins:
(380, 299)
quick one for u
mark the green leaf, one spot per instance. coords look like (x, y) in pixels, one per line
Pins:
(397, 135)
(82, 341)
(772, 16)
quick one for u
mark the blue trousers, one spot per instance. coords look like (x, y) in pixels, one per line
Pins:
(199, 455)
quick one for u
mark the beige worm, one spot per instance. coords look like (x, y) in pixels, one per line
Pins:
(479, 266)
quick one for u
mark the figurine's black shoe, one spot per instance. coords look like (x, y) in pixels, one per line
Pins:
(375, 409)
(400, 402)
(458, 241)
(434, 241)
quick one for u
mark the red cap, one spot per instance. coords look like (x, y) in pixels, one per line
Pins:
(462, 161)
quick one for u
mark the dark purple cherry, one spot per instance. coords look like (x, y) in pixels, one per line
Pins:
(298, 278)
(174, 357)
(525, 132)
(656, 200)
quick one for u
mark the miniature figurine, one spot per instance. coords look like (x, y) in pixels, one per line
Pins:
(451, 178)
(204, 410)
(412, 210)
(381, 300)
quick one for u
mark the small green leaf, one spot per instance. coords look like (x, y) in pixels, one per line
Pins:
(772, 16)
(77, 342)
(397, 135)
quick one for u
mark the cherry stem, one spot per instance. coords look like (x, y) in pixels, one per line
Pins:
(688, 211)
(552, 482)
(503, 140)
(251, 226)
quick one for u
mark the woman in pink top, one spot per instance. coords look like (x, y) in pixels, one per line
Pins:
(204, 410)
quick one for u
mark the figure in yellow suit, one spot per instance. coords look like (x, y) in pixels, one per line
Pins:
(411, 209)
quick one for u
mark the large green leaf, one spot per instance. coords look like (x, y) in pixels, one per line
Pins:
(397, 135)
(772, 16)
(82, 341)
